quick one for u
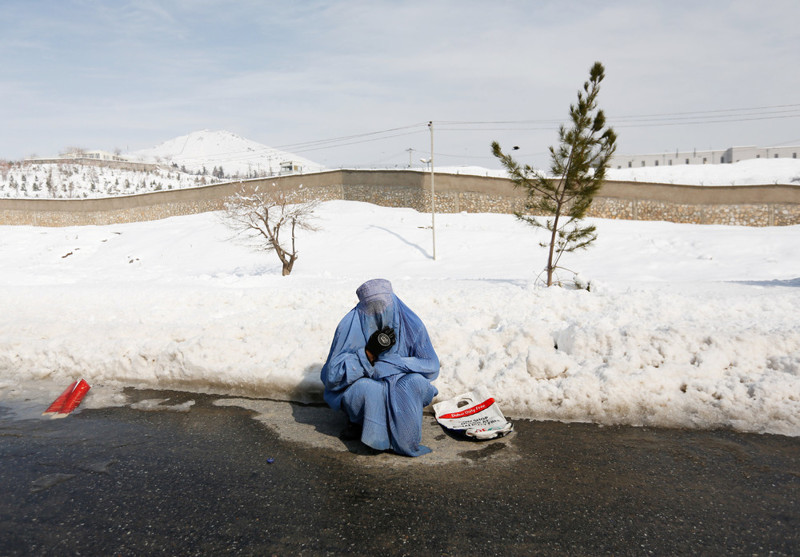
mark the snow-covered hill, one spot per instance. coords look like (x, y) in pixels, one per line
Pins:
(226, 150)
(71, 180)
(193, 160)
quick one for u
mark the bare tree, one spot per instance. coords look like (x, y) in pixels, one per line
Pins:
(269, 212)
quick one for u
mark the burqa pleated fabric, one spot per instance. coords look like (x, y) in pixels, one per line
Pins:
(387, 398)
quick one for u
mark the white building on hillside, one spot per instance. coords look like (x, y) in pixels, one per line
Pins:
(96, 155)
(721, 156)
(291, 167)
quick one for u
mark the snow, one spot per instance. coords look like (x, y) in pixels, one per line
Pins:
(70, 180)
(684, 326)
(754, 172)
(197, 159)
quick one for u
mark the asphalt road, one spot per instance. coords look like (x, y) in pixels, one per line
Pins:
(214, 478)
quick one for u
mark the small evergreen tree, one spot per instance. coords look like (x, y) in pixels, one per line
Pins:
(51, 188)
(577, 168)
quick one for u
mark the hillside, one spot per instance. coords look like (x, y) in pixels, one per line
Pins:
(193, 160)
(71, 180)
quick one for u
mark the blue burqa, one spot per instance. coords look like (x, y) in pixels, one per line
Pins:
(387, 398)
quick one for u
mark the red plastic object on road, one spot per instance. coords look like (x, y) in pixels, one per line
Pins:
(59, 402)
(68, 400)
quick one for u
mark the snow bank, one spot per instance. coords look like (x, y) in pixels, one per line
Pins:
(686, 326)
(756, 172)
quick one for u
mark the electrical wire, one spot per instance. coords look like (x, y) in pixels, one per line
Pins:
(346, 138)
(302, 150)
(657, 124)
(717, 111)
(316, 145)
(716, 116)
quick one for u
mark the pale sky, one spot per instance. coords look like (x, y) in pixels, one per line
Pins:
(130, 75)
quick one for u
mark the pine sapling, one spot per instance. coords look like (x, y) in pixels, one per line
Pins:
(577, 170)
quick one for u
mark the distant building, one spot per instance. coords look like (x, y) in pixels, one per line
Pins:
(96, 155)
(84, 155)
(291, 167)
(726, 156)
(95, 158)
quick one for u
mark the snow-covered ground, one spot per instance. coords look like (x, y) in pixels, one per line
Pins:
(755, 172)
(685, 325)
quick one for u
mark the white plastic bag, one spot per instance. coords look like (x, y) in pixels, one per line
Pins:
(475, 414)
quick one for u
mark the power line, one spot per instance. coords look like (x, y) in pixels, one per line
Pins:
(495, 122)
(701, 112)
(641, 120)
(656, 123)
(248, 154)
(700, 117)
(345, 138)
(354, 142)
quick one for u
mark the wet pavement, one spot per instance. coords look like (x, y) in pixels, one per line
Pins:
(186, 474)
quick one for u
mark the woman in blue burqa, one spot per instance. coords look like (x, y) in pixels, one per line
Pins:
(379, 370)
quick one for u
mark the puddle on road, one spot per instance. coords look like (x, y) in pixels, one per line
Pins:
(319, 427)
(28, 400)
(311, 425)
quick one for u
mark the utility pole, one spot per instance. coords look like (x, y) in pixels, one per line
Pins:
(410, 152)
(433, 197)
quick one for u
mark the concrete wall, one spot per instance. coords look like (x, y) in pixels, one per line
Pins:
(737, 205)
